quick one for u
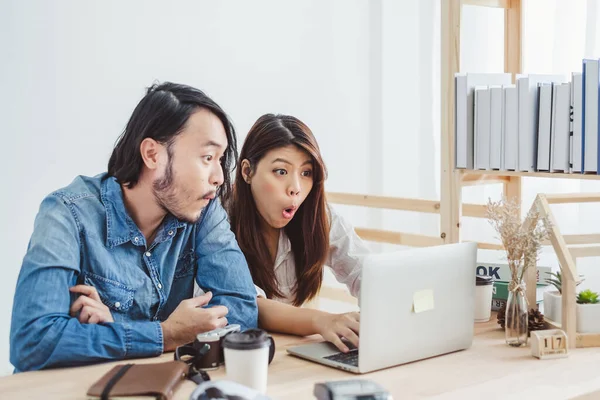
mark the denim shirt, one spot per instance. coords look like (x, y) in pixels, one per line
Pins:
(84, 235)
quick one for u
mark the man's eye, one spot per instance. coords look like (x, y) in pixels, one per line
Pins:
(280, 172)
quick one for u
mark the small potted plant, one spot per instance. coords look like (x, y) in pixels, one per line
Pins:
(588, 312)
(553, 298)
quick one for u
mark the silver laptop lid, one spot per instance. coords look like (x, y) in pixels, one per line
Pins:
(416, 304)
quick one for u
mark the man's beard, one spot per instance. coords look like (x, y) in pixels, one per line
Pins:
(165, 195)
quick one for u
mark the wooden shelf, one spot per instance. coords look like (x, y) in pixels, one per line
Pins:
(488, 3)
(450, 207)
(567, 258)
(494, 173)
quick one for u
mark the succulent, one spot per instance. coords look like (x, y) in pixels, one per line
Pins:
(556, 280)
(587, 297)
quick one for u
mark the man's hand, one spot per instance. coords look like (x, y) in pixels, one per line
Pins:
(334, 326)
(89, 306)
(189, 319)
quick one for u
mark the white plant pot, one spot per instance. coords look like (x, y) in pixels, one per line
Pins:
(553, 306)
(588, 318)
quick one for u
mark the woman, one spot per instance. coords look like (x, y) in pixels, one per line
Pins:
(288, 233)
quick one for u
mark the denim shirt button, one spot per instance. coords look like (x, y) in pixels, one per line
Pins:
(170, 233)
(159, 286)
(136, 239)
(117, 304)
(148, 254)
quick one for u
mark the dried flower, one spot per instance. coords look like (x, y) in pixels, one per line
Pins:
(522, 240)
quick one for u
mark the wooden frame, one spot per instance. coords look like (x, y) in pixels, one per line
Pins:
(567, 257)
(450, 207)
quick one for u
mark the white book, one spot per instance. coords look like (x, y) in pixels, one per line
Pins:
(496, 127)
(462, 143)
(590, 116)
(499, 270)
(482, 127)
(510, 128)
(464, 112)
(560, 133)
(527, 88)
(544, 124)
(576, 121)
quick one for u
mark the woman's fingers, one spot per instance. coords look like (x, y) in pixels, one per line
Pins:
(335, 339)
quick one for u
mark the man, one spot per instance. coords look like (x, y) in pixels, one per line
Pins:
(109, 270)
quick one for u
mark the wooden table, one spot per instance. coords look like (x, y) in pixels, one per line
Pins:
(489, 369)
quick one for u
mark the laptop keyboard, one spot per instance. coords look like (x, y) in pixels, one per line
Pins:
(350, 358)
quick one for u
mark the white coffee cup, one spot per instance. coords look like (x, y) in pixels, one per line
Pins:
(247, 357)
(483, 298)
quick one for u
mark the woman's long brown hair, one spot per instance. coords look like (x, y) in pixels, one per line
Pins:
(308, 231)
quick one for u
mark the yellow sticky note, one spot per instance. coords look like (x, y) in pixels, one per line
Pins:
(423, 300)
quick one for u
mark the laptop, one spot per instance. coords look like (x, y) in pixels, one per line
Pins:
(414, 304)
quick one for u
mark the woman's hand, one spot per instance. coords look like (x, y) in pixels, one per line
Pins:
(335, 326)
(89, 306)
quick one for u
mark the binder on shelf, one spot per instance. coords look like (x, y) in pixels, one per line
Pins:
(496, 142)
(544, 122)
(510, 128)
(576, 122)
(589, 142)
(482, 127)
(527, 88)
(560, 131)
(464, 112)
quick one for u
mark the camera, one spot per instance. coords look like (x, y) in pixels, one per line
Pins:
(211, 359)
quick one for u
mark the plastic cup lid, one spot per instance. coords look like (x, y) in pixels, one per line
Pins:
(482, 280)
(248, 340)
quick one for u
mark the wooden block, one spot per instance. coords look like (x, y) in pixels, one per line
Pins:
(588, 340)
(549, 343)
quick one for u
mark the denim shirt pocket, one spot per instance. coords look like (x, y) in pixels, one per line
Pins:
(185, 264)
(115, 295)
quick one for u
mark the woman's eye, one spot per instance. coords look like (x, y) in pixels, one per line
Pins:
(280, 172)
(307, 173)
(208, 158)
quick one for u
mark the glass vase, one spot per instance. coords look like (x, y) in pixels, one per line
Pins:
(517, 318)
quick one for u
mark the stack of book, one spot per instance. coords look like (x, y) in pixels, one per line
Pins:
(500, 273)
(546, 123)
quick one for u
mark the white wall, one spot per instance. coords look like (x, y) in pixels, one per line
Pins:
(72, 72)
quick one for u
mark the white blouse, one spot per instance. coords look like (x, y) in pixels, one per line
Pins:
(346, 255)
(347, 252)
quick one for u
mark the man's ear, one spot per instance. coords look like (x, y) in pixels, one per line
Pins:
(246, 169)
(151, 152)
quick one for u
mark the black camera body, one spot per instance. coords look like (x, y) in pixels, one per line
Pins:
(207, 359)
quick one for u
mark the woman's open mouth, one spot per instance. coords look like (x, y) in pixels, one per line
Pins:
(288, 213)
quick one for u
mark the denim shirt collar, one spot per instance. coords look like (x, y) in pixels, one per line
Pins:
(120, 228)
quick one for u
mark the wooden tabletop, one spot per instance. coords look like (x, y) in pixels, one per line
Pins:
(489, 369)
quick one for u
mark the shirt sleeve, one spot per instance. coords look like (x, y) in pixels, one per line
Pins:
(223, 270)
(43, 334)
(260, 292)
(347, 252)
(199, 292)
